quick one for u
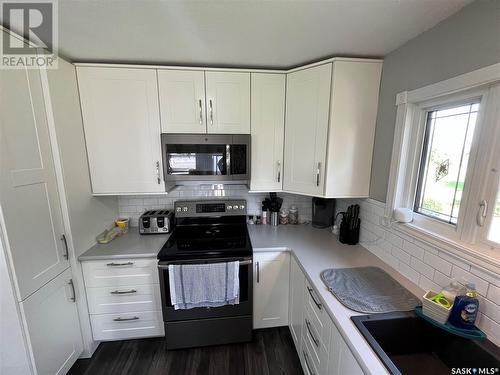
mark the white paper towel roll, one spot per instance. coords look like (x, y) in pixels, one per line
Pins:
(403, 215)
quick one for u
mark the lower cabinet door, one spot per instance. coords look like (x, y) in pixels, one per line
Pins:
(341, 361)
(271, 285)
(53, 326)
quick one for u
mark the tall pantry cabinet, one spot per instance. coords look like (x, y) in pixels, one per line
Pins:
(42, 166)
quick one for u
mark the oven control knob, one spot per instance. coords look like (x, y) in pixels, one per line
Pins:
(229, 208)
(178, 209)
(242, 207)
(184, 209)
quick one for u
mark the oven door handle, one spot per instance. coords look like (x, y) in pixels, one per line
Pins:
(242, 263)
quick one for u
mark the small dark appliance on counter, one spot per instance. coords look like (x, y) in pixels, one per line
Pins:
(349, 226)
(323, 212)
(156, 222)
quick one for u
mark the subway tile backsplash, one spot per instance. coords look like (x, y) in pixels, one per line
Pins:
(427, 266)
(133, 206)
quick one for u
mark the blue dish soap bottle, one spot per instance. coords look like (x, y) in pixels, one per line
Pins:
(465, 308)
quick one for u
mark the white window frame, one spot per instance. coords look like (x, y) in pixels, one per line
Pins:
(466, 239)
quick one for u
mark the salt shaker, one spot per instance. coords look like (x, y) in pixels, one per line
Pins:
(283, 217)
(293, 215)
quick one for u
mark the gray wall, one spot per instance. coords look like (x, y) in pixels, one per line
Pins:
(468, 40)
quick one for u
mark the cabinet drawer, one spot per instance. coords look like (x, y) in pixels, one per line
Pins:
(124, 299)
(318, 317)
(127, 325)
(309, 360)
(120, 272)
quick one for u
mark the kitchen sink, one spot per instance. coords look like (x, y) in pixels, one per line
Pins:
(408, 345)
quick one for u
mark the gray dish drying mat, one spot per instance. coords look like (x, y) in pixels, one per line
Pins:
(368, 290)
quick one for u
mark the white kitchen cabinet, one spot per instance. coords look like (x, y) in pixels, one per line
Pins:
(342, 361)
(330, 127)
(53, 326)
(122, 129)
(123, 297)
(228, 102)
(296, 303)
(270, 291)
(306, 129)
(29, 194)
(353, 113)
(267, 130)
(182, 101)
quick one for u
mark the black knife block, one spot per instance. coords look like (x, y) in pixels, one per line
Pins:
(347, 235)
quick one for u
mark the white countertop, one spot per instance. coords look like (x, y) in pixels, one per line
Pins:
(317, 250)
(130, 245)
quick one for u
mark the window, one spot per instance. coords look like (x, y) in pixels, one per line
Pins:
(446, 163)
(445, 156)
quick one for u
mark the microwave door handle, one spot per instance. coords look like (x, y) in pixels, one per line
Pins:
(228, 160)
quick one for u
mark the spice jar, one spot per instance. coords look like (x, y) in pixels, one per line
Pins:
(283, 217)
(293, 215)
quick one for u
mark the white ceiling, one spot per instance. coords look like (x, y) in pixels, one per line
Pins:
(245, 33)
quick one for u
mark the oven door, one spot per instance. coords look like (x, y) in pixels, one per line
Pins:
(245, 306)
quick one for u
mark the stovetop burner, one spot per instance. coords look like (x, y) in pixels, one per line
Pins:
(200, 236)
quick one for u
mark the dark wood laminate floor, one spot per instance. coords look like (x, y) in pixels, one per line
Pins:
(271, 352)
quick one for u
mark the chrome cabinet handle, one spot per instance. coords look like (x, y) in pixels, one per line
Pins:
(311, 293)
(306, 359)
(113, 264)
(124, 291)
(158, 172)
(315, 340)
(279, 171)
(211, 112)
(65, 242)
(257, 267)
(482, 212)
(201, 111)
(125, 319)
(70, 282)
(318, 171)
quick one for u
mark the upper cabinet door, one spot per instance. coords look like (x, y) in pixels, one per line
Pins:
(122, 129)
(228, 102)
(182, 101)
(28, 188)
(355, 87)
(268, 126)
(306, 130)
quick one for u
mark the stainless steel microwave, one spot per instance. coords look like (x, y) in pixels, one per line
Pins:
(205, 158)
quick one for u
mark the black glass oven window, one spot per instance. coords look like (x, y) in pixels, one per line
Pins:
(196, 160)
(238, 159)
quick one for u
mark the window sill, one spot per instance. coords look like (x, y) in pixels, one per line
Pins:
(486, 258)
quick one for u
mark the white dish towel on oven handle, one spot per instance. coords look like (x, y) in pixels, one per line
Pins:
(204, 285)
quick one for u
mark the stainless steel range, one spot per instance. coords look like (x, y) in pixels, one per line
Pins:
(208, 232)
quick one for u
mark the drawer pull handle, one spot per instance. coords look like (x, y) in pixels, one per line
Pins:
(126, 319)
(315, 340)
(311, 293)
(124, 291)
(113, 264)
(306, 358)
